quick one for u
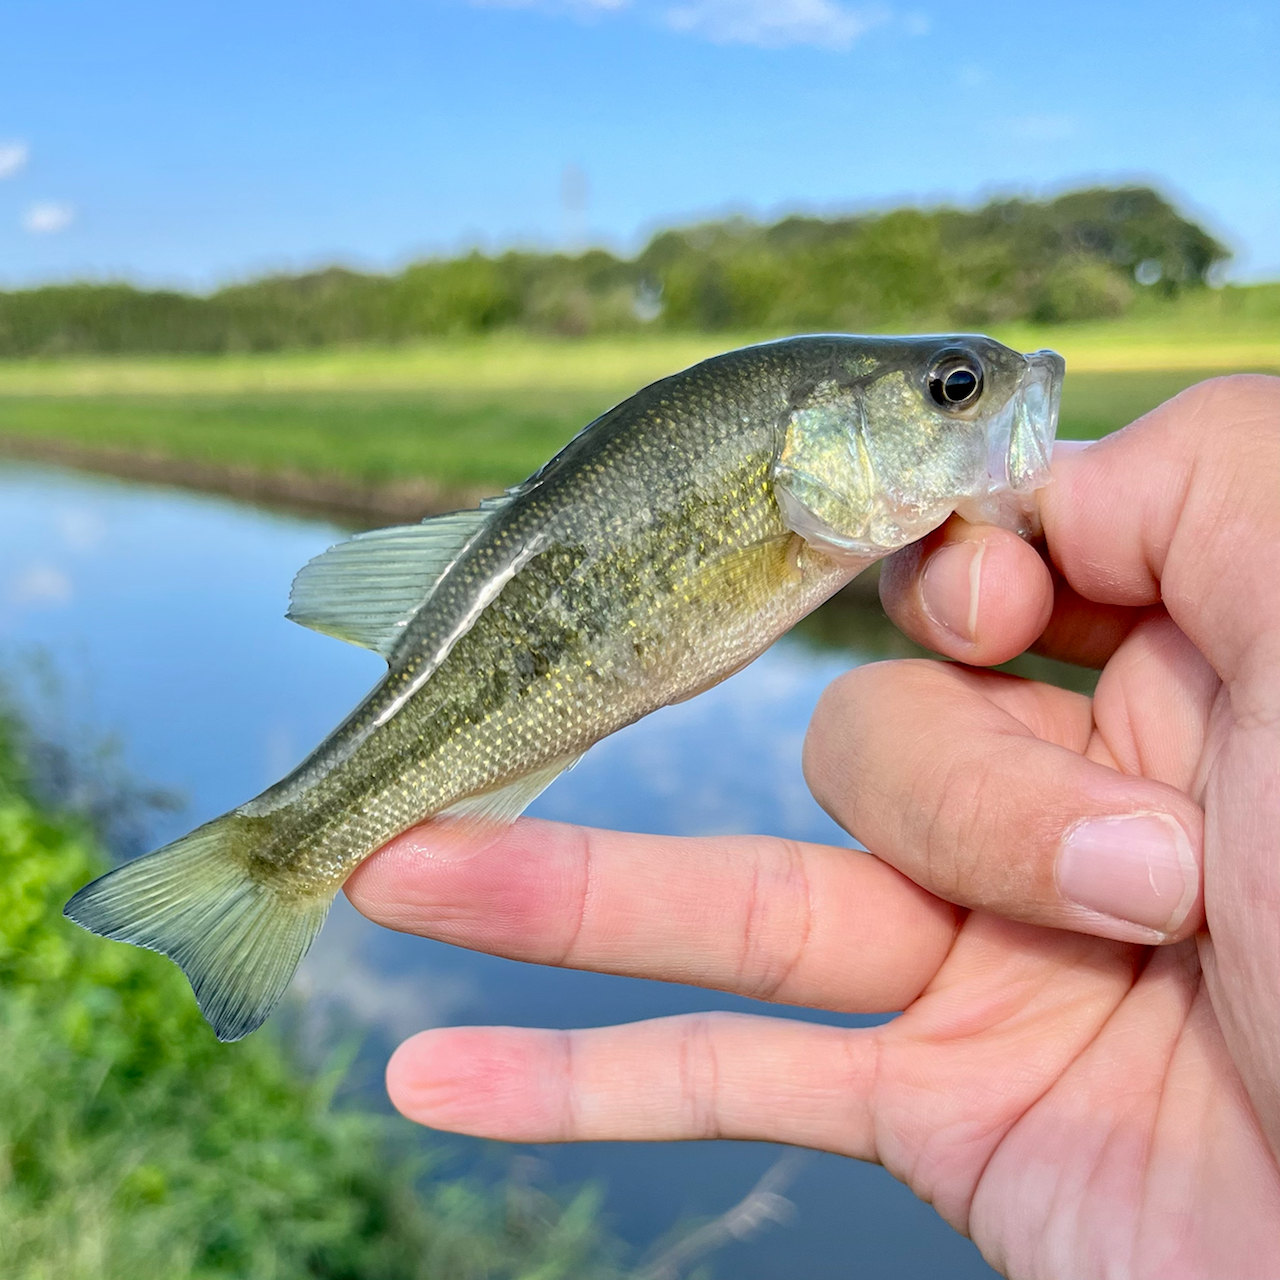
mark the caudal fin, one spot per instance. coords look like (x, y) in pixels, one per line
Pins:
(237, 940)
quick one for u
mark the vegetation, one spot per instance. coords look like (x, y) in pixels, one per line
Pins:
(455, 377)
(132, 1144)
(1086, 255)
(462, 442)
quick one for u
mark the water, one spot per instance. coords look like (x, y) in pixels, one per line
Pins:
(162, 613)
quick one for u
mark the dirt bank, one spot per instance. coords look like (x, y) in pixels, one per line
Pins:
(348, 501)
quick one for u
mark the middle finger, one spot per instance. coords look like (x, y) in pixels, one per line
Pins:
(774, 919)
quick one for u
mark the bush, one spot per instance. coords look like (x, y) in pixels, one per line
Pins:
(133, 1144)
(1081, 290)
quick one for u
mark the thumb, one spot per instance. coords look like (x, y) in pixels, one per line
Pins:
(1183, 507)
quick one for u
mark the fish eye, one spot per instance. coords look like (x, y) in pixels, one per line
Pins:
(955, 381)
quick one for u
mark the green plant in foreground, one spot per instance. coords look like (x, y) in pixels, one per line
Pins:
(133, 1144)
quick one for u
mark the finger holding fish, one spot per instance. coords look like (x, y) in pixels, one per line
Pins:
(982, 595)
(781, 920)
(977, 593)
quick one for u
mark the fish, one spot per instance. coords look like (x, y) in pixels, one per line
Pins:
(660, 551)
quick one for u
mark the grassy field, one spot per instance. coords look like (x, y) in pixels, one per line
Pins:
(481, 413)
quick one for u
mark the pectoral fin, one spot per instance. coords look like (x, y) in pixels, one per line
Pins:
(748, 576)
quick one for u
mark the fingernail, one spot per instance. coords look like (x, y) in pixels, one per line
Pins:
(1138, 870)
(950, 588)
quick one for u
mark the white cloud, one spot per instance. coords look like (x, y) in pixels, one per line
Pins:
(1043, 128)
(81, 528)
(48, 217)
(775, 24)
(342, 986)
(767, 24)
(40, 584)
(13, 155)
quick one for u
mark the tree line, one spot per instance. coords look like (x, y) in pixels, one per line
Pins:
(1084, 255)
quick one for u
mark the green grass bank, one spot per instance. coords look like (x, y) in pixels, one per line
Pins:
(390, 433)
(132, 1144)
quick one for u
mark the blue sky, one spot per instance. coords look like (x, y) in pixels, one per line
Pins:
(209, 140)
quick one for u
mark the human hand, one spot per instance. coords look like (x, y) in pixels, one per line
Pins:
(1086, 1077)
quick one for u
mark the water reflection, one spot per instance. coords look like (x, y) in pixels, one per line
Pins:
(853, 624)
(164, 612)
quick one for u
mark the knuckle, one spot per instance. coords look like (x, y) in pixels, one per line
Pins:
(955, 804)
(827, 740)
(1240, 410)
(837, 739)
(578, 896)
(778, 909)
(835, 701)
(874, 743)
(700, 1075)
(1243, 390)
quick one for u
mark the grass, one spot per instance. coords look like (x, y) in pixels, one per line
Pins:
(374, 437)
(133, 1144)
(481, 413)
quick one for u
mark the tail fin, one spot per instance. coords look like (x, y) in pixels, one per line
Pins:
(237, 940)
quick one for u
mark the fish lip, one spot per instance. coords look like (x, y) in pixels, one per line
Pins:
(1020, 437)
(1044, 375)
(1046, 369)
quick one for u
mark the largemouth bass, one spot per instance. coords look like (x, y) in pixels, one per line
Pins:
(665, 547)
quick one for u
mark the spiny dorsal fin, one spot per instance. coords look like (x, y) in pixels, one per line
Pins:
(366, 590)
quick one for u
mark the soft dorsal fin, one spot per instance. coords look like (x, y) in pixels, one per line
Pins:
(366, 590)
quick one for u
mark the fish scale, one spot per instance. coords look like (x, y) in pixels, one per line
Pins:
(666, 546)
(461, 735)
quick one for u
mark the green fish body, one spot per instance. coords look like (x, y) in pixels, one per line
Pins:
(664, 548)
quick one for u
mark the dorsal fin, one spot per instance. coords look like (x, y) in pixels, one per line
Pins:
(366, 590)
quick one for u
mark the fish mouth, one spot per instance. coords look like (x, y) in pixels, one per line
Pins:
(1041, 390)
(1020, 442)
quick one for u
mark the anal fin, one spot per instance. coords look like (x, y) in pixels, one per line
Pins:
(501, 807)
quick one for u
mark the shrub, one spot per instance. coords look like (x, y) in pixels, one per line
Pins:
(133, 1144)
